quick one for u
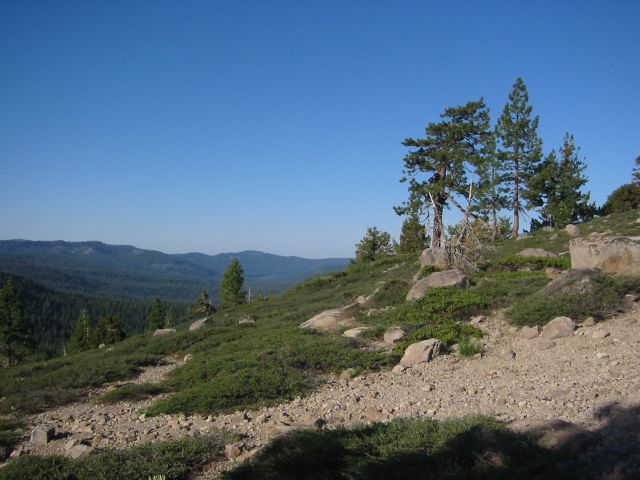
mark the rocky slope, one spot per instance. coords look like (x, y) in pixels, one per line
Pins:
(590, 379)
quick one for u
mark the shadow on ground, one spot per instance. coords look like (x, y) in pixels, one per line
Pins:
(470, 448)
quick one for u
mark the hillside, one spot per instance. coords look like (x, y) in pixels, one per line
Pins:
(51, 314)
(120, 271)
(228, 391)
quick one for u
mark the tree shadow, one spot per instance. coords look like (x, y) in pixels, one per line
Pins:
(474, 448)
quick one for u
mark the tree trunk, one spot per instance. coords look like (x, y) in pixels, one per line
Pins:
(516, 201)
(494, 225)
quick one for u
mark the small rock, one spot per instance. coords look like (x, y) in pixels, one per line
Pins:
(508, 354)
(79, 450)
(399, 368)
(393, 334)
(198, 324)
(17, 452)
(164, 331)
(187, 358)
(600, 334)
(42, 434)
(478, 319)
(572, 230)
(372, 414)
(558, 327)
(530, 332)
(247, 320)
(422, 352)
(601, 355)
(589, 322)
(544, 344)
(347, 374)
(355, 332)
(535, 252)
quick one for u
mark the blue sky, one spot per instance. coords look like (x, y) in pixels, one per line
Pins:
(277, 125)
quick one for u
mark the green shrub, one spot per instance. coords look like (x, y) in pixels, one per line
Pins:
(468, 347)
(605, 299)
(177, 460)
(428, 270)
(448, 332)
(392, 292)
(517, 262)
(443, 303)
(504, 287)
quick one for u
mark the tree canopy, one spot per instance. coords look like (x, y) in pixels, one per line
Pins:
(231, 293)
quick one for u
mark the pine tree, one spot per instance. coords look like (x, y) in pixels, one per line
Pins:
(170, 317)
(490, 192)
(80, 339)
(520, 149)
(155, 317)
(556, 187)
(449, 148)
(412, 236)
(16, 341)
(375, 244)
(109, 329)
(204, 306)
(231, 293)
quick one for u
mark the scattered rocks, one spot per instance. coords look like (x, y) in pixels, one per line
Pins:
(535, 252)
(558, 327)
(446, 278)
(198, 324)
(233, 450)
(530, 332)
(544, 344)
(78, 450)
(393, 334)
(164, 331)
(421, 352)
(348, 374)
(372, 414)
(600, 334)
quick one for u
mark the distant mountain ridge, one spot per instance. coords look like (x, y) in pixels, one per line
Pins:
(124, 271)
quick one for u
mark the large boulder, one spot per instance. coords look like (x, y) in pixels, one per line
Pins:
(558, 327)
(421, 352)
(432, 257)
(612, 255)
(354, 332)
(535, 252)
(332, 319)
(447, 278)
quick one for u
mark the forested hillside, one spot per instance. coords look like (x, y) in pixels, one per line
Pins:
(51, 314)
(119, 271)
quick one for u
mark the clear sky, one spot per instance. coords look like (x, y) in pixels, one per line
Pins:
(277, 125)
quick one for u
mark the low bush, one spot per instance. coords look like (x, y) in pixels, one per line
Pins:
(392, 292)
(468, 347)
(443, 303)
(176, 460)
(517, 262)
(462, 449)
(133, 392)
(428, 270)
(606, 298)
(448, 332)
(505, 287)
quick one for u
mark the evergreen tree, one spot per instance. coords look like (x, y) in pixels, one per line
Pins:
(16, 341)
(412, 236)
(204, 306)
(170, 317)
(636, 171)
(556, 187)
(375, 244)
(490, 192)
(231, 293)
(109, 329)
(155, 317)
(520, 149)
(449, 148)
(80, 339)
(622, 199)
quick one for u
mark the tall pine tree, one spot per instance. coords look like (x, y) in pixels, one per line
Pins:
(519, 149)
(231, 293)
(441, 158)
(556, 187)
(80, 339)
(413, 238)
(490, 192)
(155, 317)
